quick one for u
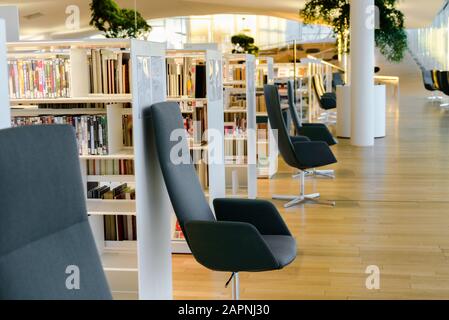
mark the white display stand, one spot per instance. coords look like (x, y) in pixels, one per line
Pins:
(5, 112)
(152, 263)
(344, 111)
(266, 148)
(246, 170)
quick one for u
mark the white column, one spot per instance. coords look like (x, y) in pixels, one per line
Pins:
(362, 72)
(5, 112)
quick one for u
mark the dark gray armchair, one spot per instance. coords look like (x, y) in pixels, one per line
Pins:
(313, 131)
(298, 151)
(45, 237)
(244, 235)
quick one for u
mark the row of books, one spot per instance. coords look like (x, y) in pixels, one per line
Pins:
(91, 131)
(186, 77)
(235, 101)
(127, 129)
(235, 151)
(39, 78)
(190, 105)
(235, 124)
(110, 167)
(95, 190)
(260, 103)
(109, 71)
(120, 228)
(237, 72)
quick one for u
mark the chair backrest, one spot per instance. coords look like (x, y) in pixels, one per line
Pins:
(444, 82)
(292, 106)
(45, 237)
(337, 80)
(277, 123)
(427, 79)
(317, 86)
(435, 79)
(183, 186)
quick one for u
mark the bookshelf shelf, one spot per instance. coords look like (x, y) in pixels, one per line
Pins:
(107, 207)
(110, 178)
(231, 110)
(107, 98)
(124, 154)
(240, 125)
(119, 261)
(35, 112)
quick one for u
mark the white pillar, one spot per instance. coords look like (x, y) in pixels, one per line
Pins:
(362, 72)
(5, 112)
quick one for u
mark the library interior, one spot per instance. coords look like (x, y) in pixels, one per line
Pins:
(224, 150)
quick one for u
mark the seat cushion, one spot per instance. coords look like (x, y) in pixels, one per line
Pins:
(282, 247)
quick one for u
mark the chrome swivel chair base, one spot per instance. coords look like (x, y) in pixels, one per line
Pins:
(321, 173)
(302, 198)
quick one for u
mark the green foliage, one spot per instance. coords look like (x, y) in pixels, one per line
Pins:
(115, 22)
(244, 44)
(391, 38)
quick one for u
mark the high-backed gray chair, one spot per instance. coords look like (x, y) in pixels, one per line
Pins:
(313, 131)
(243, 235)
(46, 244)
(298, 151)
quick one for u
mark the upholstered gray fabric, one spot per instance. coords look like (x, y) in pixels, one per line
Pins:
(181, 180)
(43, 221)
(427, 80)
(230, 246)
(261, 214)
(283, 248)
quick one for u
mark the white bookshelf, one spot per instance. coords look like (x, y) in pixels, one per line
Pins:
(5, 117)
(147, 86)
(240, 125)
(267, 151)
(211, 107)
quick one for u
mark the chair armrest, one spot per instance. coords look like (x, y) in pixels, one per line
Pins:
(317, 132)
(314, 154)
(300, 138)
(229, 246)
(261, 214)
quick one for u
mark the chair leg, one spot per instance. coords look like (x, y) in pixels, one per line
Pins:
(302, 198)
(236, 287)
(321, 173)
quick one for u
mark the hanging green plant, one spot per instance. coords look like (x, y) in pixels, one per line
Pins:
(244, 44)
(116, 22)
(390, 37)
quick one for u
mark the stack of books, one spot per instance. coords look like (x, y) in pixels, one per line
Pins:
(39, 78)
(109, 71)
(91, 131)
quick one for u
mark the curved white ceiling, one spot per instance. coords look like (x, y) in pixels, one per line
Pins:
(52, 20)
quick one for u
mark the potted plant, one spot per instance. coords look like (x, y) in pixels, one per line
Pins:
(116, 22)
(244, 44)
(390, 37)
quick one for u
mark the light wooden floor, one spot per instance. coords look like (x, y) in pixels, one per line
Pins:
(392, 211)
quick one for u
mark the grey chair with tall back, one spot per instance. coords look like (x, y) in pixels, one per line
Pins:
(47, 250)
(298, 152)
(313, 131)
(242, 236)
